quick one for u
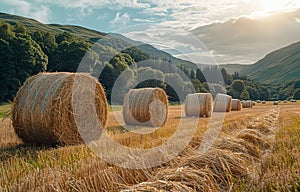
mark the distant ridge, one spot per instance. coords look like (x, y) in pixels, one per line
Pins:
(279, 66)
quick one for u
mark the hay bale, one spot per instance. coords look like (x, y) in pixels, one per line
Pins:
(222, 103)
(145, 107)
(247, 104)
(236, 105)
(43, 109)
(199, 104)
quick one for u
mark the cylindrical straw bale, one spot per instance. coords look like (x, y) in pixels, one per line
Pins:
(247, 104)
(236, 105)
(198, 105)
(145, 107)
(222, 103)
(43, 109)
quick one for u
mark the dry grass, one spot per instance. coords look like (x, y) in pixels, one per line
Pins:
(255, 137)
(279, 169)
(224, 164)
(227, 166)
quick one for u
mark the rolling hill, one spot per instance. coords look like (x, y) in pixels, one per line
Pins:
(277, 67)
(93, 36)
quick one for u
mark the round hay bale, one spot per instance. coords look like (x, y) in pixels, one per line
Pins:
(247, 104)
(222, 103)
(43, 109)
(236, 105)
(145, 107)
(198, 104)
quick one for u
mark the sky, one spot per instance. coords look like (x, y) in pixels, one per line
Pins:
(166, 24)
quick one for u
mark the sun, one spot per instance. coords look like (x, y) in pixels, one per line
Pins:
(274, 5)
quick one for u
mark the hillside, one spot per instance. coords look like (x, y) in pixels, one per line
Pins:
(232, 68)
(277, 67)
(92, 35)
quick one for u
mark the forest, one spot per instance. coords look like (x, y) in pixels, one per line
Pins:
(24, 53)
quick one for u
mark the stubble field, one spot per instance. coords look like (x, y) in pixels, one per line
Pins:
(257, 149)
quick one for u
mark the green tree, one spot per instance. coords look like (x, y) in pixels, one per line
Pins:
(197, 85)
(29, 58)
(19, 28)
(217, 88)
(172, 80)
(238, 85)
(121, 62)
(264, 93)
(148, 77)
(9, 83)
(68, 56)
(200, 76)
(227, 77)
(6, 31)
(233, 93)
(254, 95)
(193, 75)
(245, 95)
(205, 88)
(65, 36)
(124, 82)
(236, 76)
(297, 94)
(136, 54)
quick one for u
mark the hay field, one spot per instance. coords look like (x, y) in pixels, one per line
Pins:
(258, 150)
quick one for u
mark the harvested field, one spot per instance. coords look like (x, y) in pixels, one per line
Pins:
(244, 154)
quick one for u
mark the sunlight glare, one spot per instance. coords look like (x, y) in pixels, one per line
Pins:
(274, 5)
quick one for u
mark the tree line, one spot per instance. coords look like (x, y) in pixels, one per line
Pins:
(24, 53)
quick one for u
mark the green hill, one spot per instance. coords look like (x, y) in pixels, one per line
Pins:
(277, 67)
(34, 25)
(92, 35)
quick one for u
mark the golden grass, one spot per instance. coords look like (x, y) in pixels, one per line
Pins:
(279, 168)
(76, 168)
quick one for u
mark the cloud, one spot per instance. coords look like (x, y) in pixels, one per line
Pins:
(97, 4)
(143, 20)
(233, 41)
(120, 20)
(250, 39)
(39, 12)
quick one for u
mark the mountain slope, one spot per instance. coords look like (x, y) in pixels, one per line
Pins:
(232, 68)
(33, 25)
(277, 67)
(92, 35)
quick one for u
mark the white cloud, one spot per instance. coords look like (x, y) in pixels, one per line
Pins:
(39, 12)
(95, 4)
(120, 20)
(143, 20)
